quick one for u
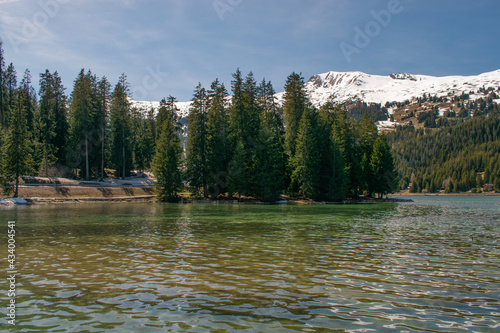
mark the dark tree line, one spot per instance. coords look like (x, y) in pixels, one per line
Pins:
(458, 156)
(85, 134)
(254, 147)
(245, 145)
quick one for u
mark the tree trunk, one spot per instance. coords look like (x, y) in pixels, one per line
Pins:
(46, 163)
(16, 193)
(102, 154)
(87, 174)
(123, 161)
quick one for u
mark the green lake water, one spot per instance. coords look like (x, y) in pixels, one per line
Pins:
(432, 265)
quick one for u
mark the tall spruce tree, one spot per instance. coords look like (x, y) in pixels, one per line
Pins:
(30, 100)
(196, 160)
(102, 116)
(241, 129)
(146, 144)
(345, 138)
(61, 126)
(10, 79)
(46, 120)
(251, 114)
(167, 162)
(237, 175)
(120, 148)
(3, 124)
(382, 166)
(368, 134)
(82, 114)
(294, 104)
(332, 175)
(244, 127)
(306, 163)
(237, 110)
(168, 111)
(16, 150)
(268, 170)
(218, 147)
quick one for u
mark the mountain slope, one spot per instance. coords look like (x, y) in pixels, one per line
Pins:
(342, 87)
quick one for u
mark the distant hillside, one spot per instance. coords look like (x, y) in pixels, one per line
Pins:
(459, 155)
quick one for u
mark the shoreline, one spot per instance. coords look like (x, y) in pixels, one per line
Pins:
(152, 199)
(482, 194)
(48, 194)
(43, 194)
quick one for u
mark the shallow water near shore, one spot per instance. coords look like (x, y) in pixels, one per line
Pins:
(431, 265)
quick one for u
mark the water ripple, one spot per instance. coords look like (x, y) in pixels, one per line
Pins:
(204, 269)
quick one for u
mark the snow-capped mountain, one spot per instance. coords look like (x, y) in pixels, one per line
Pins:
(341, 87)
(146, 105)
(345, 86)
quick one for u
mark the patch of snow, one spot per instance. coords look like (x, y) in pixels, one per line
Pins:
(385, 125)
(13, 201)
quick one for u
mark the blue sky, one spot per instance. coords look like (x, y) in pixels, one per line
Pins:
(166, 47)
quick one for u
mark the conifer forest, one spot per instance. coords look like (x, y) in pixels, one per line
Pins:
(236, 142)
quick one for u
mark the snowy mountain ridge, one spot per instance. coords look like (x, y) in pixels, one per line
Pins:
(341, 87)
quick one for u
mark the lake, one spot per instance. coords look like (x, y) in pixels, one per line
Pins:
(431, 265)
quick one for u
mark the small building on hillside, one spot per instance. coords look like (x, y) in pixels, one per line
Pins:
(487, 187)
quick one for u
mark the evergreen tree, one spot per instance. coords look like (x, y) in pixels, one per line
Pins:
(251, 114)
(237, 110)
(82, 125)
(306, 164)
(30, 100)
(167, 111)
(218, 145)
(61, 125)
(332, 176)
(120, 149)
(10, 79)
(167, 161)
(294, 105)
(144, 139)
(136, 128)
(382, 166)
(237, 178)
(3, 124)
(368, 133)
(46, 120)
(268, 171)
(244, 122)
(16, 150)
(196, 161)
(101, 117)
